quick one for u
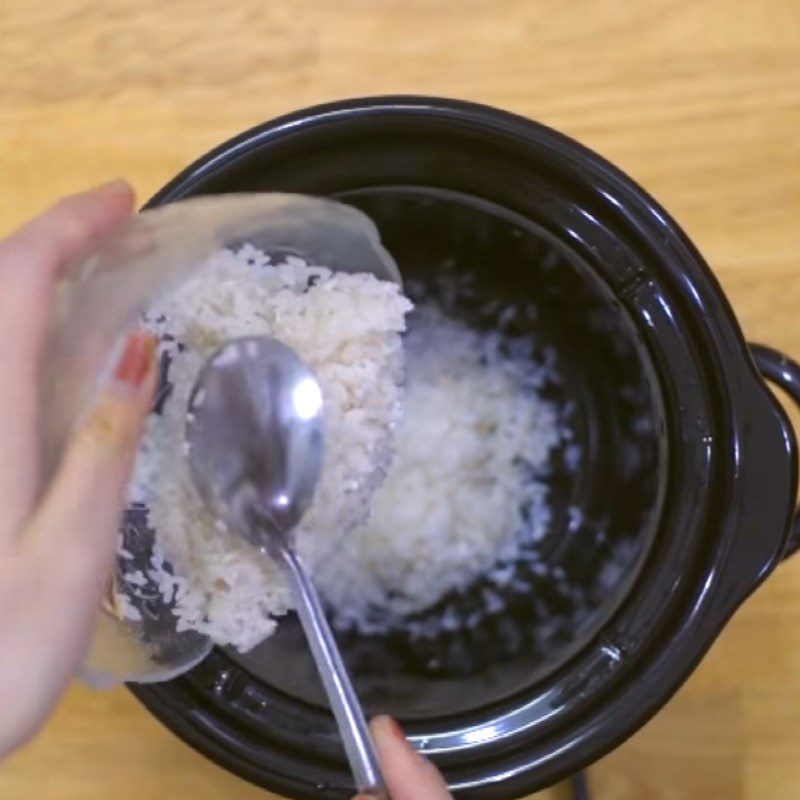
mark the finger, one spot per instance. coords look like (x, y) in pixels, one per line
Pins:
(68, 547)
(64, 230)
(31, 257)
(29, 260)
(408, 774)
(79, 516)
(43, 642)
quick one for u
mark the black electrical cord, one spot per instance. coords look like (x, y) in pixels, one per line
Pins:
(580, 786)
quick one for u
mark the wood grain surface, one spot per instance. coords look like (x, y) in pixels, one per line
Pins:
(699, 100)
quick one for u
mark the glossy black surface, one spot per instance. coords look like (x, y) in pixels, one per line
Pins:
(784, 372)
(706, 514)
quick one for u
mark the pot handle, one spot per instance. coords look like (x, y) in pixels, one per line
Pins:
(784, 373)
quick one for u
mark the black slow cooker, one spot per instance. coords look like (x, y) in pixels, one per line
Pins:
(682, 502)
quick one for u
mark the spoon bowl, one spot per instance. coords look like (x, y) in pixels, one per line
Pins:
(254, 433)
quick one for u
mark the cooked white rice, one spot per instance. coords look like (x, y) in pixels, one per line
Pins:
(460, 495)
(346, 327)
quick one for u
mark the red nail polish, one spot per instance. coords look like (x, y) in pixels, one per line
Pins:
(136, 360)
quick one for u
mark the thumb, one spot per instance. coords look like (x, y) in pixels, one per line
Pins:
(408, 774)
(68, 546)
(79, 516)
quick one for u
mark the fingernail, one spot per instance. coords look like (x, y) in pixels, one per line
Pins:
(136, 361)
(116, 184)
(390, 726)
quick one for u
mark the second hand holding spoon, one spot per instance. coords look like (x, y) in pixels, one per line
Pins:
(254, 434)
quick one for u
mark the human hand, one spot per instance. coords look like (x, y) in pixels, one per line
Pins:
(408, 774)
(57, 542)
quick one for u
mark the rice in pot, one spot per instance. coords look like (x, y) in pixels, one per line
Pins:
(460, 495)
(471, 433)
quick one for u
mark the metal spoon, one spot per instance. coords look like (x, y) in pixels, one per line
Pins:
(254, 435)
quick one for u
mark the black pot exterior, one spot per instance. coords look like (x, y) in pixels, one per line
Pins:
(727, 476)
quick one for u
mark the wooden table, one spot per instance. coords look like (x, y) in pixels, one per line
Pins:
(699, 100)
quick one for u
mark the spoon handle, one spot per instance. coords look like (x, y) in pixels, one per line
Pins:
(353, 728)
